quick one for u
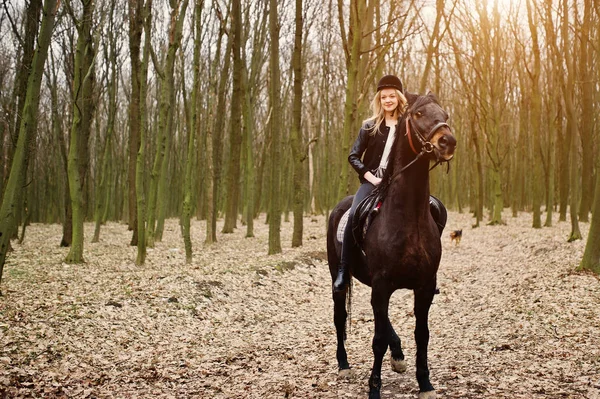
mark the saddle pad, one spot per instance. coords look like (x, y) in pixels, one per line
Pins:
(342, 226)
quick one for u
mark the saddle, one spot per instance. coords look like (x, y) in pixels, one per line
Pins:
(368, 209)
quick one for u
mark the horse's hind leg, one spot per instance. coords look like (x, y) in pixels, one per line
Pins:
(397, 356)
(423, 299)
(380, 300)
(339, 319)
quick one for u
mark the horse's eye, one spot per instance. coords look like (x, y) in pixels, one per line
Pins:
(418, 114)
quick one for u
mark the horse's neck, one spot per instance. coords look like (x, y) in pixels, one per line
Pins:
(410, 189)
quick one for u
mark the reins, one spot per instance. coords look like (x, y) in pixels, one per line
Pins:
(426, 148)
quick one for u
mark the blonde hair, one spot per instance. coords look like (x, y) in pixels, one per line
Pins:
(378, 115)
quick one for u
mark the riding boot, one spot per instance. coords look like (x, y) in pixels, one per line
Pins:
(348, 243)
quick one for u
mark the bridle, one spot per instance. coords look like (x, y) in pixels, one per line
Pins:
(426, 146)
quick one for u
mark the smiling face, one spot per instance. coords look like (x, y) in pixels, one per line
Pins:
(389, 100)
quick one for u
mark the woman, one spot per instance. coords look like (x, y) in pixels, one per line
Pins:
(374, 141)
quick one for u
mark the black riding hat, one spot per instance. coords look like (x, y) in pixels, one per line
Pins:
(389, 81)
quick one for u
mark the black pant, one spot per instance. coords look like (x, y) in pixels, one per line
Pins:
(348, 243)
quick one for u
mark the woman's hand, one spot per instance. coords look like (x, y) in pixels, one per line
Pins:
(371, 178)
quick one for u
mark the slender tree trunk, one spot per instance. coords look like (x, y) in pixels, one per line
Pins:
(432, 47)
(586, 129)
(574, 202)
(83, 108)
(136, 15)
(194, 109)
(187, 193)
(275, 162)
(216, 135)
(572, 127)
(112, 87)
(211, 214)
(357, 11)
(140, 191)
(175, 32)
(235, 128)
(162, 196)
(298, 155)
(250, 174)
(535, 116)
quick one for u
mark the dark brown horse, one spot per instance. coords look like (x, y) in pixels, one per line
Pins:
(402, 248)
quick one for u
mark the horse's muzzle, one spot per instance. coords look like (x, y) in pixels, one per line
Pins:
(444, 143)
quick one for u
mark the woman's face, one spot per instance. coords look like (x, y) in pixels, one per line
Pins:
(389, 100)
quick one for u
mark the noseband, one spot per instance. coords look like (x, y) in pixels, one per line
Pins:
(426, 146)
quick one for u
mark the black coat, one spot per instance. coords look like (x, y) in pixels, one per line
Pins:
(371, 146)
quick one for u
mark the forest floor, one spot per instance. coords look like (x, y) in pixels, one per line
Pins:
(513, 319)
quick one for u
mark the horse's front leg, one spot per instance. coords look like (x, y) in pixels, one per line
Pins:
(380, 300)
(397, 356)
(423, 300)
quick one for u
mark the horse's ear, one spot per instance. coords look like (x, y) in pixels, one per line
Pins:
(432, 95)
(410, 97)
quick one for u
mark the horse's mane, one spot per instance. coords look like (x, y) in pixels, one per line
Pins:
(415, 101)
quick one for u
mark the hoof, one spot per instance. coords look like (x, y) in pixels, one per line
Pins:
(374, 395)
(427, 395)
(399, 366)
(345, 374)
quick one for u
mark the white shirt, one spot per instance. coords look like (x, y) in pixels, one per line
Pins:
(386, 152)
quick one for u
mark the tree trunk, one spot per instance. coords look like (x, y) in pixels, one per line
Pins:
(591, 255)
(31, 26)
(432, 47)
(298, 155)
(83, 108)
(357, 12)
(177, 17)
(112, 87)
(194, 110)
(140, 192)
(586, 128)
(136, 21)
(235, 128)
(275, 162)
(535, 117)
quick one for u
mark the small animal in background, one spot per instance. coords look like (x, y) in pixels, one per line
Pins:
(456, 235)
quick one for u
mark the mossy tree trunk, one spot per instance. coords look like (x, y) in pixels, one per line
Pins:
(535, 117)
(110, 58)
(15, 110)
(136, 11)
(215, 130)
(586, 119)
(193, 123)
(352, 46)
(235, 126)
(177, 17)
(83, 108)
(591, 255)
(568, 90)
(275, 161)
(298, 155)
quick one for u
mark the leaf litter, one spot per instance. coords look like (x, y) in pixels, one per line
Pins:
(513, 319)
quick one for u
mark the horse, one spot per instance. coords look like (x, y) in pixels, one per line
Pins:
(402, 247)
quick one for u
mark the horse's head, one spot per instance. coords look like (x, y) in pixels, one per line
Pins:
(426, 127)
